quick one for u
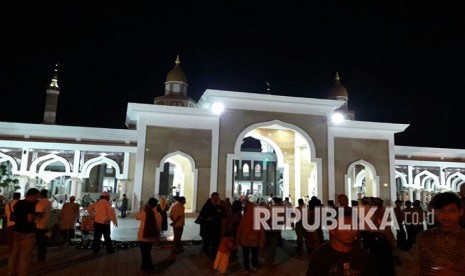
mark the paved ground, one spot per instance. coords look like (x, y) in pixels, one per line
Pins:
(69, 260)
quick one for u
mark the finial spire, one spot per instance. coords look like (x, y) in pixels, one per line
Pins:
(337, 78)
(178, 61)
(54, 82)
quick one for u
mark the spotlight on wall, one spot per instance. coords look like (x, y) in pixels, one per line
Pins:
(337, 118)
(217, 108)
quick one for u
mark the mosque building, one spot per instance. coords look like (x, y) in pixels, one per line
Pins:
(237, 143)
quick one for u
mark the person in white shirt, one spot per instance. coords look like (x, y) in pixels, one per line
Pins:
(10, 224)
(43, 210)
(103, 214)
(149, 232)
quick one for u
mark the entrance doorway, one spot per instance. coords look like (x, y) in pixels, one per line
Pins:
(274, 158)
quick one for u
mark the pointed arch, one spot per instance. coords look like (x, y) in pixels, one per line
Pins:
(403, 178)
(7, 158)
(194, 172)
(371, 170)
(87, 167)
(243, 134)
(49, 159)
(278, 151)
(453, 182)
(246, 132)
(172, 154)
(420, 183)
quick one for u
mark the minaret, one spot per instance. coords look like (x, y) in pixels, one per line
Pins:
(51, 100)
(175, 88)
(339, 92)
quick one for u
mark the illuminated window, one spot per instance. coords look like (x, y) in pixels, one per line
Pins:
(245, 170)
(258, 170)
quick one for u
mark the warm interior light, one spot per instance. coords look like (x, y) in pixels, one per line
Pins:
(338, 118)
(217, 108)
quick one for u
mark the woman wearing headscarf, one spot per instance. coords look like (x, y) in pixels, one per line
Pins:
(149, 232)
(250, 239)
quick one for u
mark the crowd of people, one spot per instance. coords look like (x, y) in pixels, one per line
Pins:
(227, 227)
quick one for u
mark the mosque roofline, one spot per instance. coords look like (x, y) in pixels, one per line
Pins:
(372, 126)
(135, 110)
(267, 102)
(44, 131)
(365, 130)
(429, 152)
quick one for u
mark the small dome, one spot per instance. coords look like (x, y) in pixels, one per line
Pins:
(337, 90)
(176, 74)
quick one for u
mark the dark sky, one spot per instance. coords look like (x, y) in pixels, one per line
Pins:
(401, 61)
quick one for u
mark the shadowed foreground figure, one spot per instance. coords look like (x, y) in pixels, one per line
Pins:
(440, 251)
(341, 255)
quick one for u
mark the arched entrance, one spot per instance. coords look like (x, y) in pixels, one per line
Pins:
(283, 163)
(177, 175)
(361, 180)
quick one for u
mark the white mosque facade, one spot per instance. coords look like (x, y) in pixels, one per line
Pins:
(236, 143)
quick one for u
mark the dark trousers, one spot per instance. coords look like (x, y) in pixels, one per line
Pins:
(123, 212)
(146, 253)
(9, 237)
(41, 241)
(412, 232)
(300, 232)
(67, 234)
(177, 244)
(245, 253)
(401, 238)
(99, 230)
(211, 242)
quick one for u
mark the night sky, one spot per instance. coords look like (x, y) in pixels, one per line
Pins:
(401, 61)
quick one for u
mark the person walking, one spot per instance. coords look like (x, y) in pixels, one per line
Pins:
(178, 220)
(10, 220)
(250, 239)
(69, 216)
(43, 210)
(298, 226)
(124, 206)
(23, 234)
(401, 237)
(149, 233)
(103, 214)
(210, 220)
(162, 208)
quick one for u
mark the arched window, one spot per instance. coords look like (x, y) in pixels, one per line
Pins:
(245, 170)
(258, 170)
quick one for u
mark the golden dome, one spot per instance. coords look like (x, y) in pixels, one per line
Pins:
(176, 74)
(337, 90)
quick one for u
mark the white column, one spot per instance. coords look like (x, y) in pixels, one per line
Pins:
(22, 184)
(74, 184)
(32, 182)
(297, 174)
(442, 177)
(79, 189)
(410, 176)
(410, 194)
(122, 187)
